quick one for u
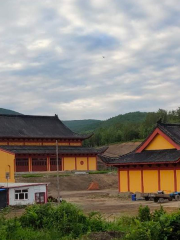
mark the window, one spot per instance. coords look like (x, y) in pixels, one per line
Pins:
(21, 194)
(40, 197)
(22, 162)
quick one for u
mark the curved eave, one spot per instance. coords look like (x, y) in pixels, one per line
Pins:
(84, 137)
(106, 159)
(113, 161)
(144, 163)
(102, 150)
(78, 137)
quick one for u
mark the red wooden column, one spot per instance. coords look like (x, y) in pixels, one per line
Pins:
(14, 164)
(142, 181)
(62, 163)
(30, 164)
(159, 180)
(175, 180)
(48, 164)
(88, 163)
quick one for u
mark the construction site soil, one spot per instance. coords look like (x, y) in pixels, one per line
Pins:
(106, 200)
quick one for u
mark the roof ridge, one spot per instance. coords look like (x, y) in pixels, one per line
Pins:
(168, 124)
(77, 134)
(23, 115)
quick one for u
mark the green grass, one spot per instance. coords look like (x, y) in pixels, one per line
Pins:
(43, 175)
(100, 172)
(31, 175)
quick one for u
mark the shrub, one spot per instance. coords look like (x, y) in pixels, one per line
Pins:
(144, 214)
(158, 214)
(66, 218)
(96, 222)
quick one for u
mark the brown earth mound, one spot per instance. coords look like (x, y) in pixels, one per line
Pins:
(74, 182)
(121, 148)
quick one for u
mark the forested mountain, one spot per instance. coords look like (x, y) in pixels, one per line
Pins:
(131, 130)
(129, 127)
(81, 126)
(84, 126)
(7, 111)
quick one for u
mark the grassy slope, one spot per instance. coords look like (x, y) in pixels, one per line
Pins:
(91, 125)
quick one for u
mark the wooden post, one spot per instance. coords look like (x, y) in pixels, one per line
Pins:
(48, 164)
(57, 162)
(159, 180)
(88, 163)
(30, 164)
(14, 164)
(175, 181)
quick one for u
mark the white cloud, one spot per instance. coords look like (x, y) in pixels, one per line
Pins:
(52, 56)
(43, 43)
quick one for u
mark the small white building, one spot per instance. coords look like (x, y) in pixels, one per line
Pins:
(22, 194)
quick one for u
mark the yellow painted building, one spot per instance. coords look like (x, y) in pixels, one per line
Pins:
(154, 165)
(6, 166)
(28, 144)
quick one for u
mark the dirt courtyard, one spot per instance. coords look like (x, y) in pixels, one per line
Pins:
(110, 204)
(107, 200)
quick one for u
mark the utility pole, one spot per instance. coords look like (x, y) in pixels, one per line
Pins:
(57, 162)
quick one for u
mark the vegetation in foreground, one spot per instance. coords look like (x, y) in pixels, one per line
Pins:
(67, 222)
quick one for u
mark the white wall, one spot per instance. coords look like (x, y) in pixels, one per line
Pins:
(31, 194)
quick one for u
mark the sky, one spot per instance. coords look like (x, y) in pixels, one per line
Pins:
(90, 59)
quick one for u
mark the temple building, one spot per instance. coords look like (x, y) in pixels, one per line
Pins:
(154, 165)
(28, 144)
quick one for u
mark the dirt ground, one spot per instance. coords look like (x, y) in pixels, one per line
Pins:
(109, 203)
(106, 200)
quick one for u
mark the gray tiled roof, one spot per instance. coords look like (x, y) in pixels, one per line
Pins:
(52, 150)
(171, 130)
(151, 156)
(26, 126)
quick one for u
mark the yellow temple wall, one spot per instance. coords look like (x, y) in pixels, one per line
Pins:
(92, 163)
(135, 181)
(159, 143)
(69, 163)
(6, 165)
(79, 163)
(123, 175)
(149, 180)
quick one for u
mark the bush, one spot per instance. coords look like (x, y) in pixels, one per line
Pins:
(67, 222)
(144, 214)
(66, 218)
(158, 214)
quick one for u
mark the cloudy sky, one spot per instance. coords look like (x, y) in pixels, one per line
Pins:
(86, 59)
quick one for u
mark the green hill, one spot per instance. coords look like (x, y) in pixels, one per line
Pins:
(81, 126)
(132, 117)
(84, 126)
(7, 111)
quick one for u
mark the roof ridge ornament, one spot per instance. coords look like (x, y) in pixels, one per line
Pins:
(159, 121)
